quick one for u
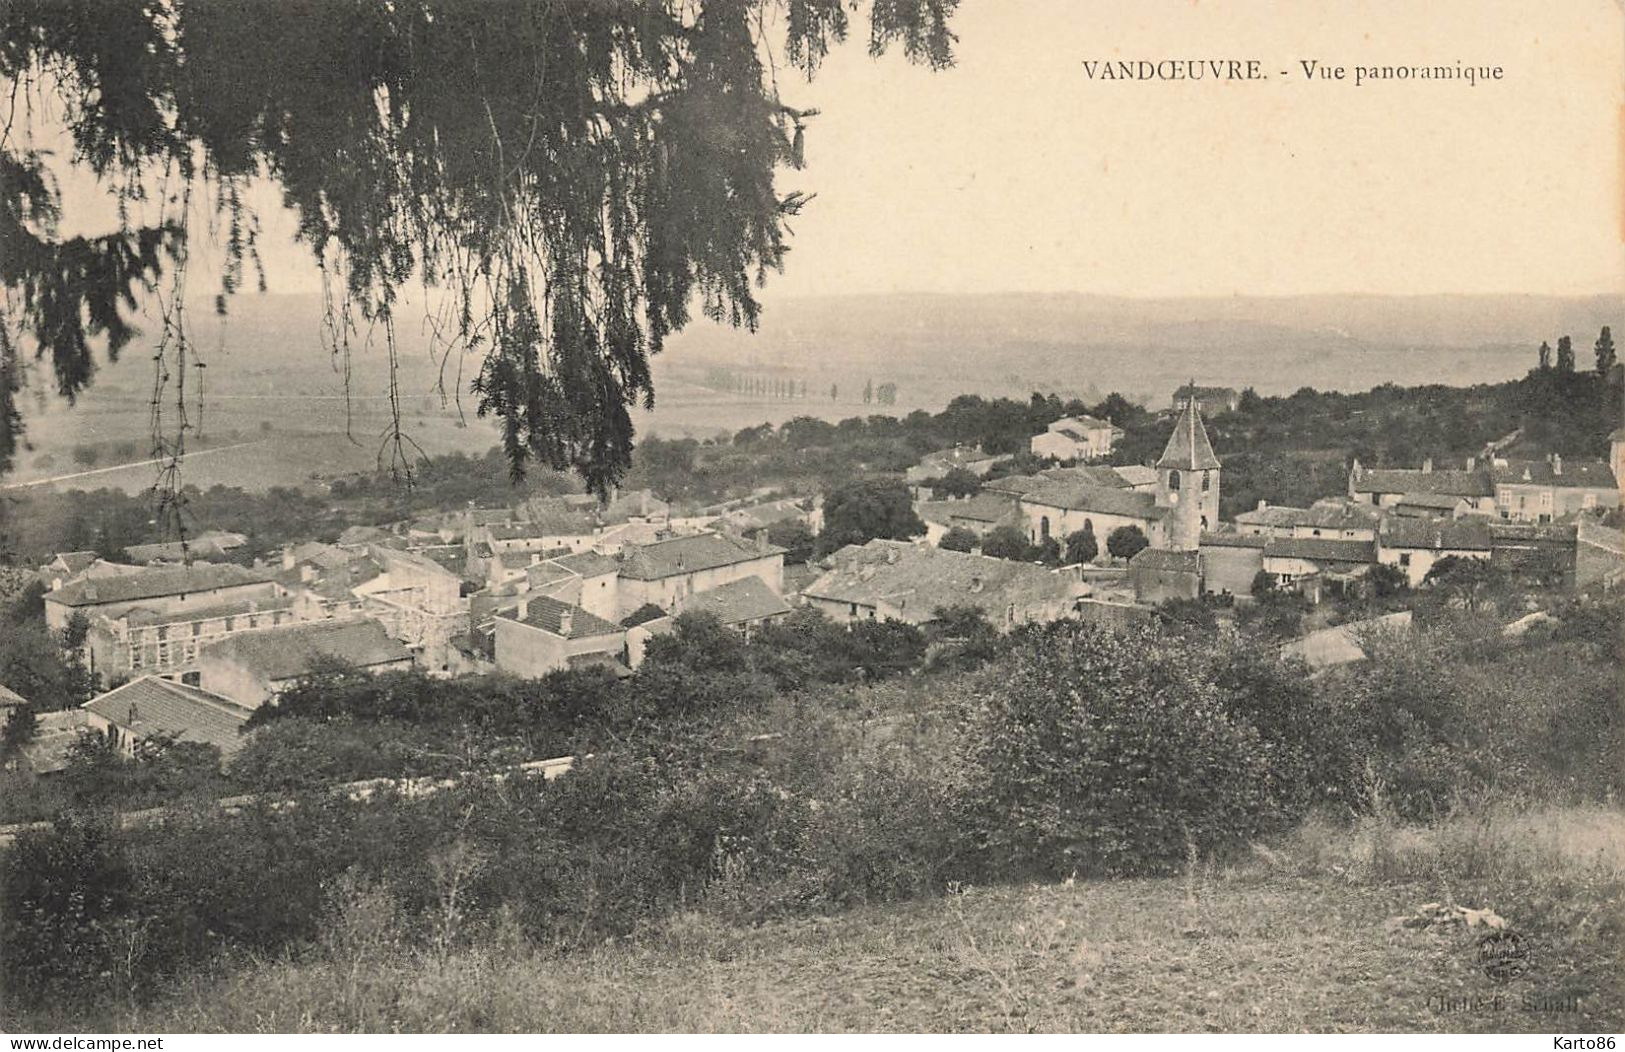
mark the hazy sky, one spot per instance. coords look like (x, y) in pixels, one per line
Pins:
(1014, 172)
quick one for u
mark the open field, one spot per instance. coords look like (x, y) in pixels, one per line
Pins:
(1295, 938)
(268, 369)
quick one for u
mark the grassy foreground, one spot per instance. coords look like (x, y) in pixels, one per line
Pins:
(1296, 937)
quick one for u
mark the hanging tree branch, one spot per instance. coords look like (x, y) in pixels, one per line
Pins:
(571, 177)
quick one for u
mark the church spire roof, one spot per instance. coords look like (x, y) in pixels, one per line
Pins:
(1188, 447)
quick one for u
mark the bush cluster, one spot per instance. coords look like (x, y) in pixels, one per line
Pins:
(762, 777)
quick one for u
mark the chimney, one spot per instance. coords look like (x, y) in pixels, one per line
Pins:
(1263, 504)
(566, 620)
(135, 715)
(1427, 465)
(1472, 462)
(1557, 463)
(891, 554)
(287, 560)
(761, 540)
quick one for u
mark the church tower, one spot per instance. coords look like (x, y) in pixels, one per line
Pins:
(1188, 481)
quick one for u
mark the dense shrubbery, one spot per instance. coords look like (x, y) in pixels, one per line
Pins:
(759, 778)
(1102, 752)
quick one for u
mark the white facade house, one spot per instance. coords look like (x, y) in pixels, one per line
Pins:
(1076, 438)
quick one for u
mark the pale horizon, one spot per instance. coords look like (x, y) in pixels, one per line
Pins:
(1013, 173)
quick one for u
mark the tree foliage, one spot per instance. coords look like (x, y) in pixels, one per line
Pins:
(1081, 546)
(956, 483)
(1006, 542)
(1126, 542)
(863, 510)
(1100, 752)
(1565, 354)
(959, 539)
(574, 176)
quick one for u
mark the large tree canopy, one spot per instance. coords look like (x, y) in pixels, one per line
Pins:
(575, 174)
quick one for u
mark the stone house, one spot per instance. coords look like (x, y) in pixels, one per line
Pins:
(1552, 489)
(252, 668)
(904, 581)
(667, 572)
(539, 635)
(1076, 438)
(1414, 545)
(149, 706)
(160, 589)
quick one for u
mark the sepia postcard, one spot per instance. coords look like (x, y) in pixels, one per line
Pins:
(811, 517)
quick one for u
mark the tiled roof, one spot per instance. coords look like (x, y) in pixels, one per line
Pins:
(1272, 515)
(586, 564)
(1511, 533)
(452, 558)
(1341, 644)
(1587, 474)
(1320, 549)
(1435, 534)
(289, 651)
(1164, 559)
(1096, 475)
(547, 614)
(1410, 480)
(1188, 447)
(918, 579)
(758, 515)
(140, 615)
(9, 697)
(150, 705)
(1014, 485)
(555, 526)
(1074, 496)
(984, 507)
(1340, 513)
(1137, 475)
(684, 555)
(76, 561)
(738, 602)
(156, 582)
(1234, 540)
(1446, 501)
(1600, 536)
(324, 556)
(354, 535)
(340, 583)
(944, 460)
(542, 574)
(1084, 423)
